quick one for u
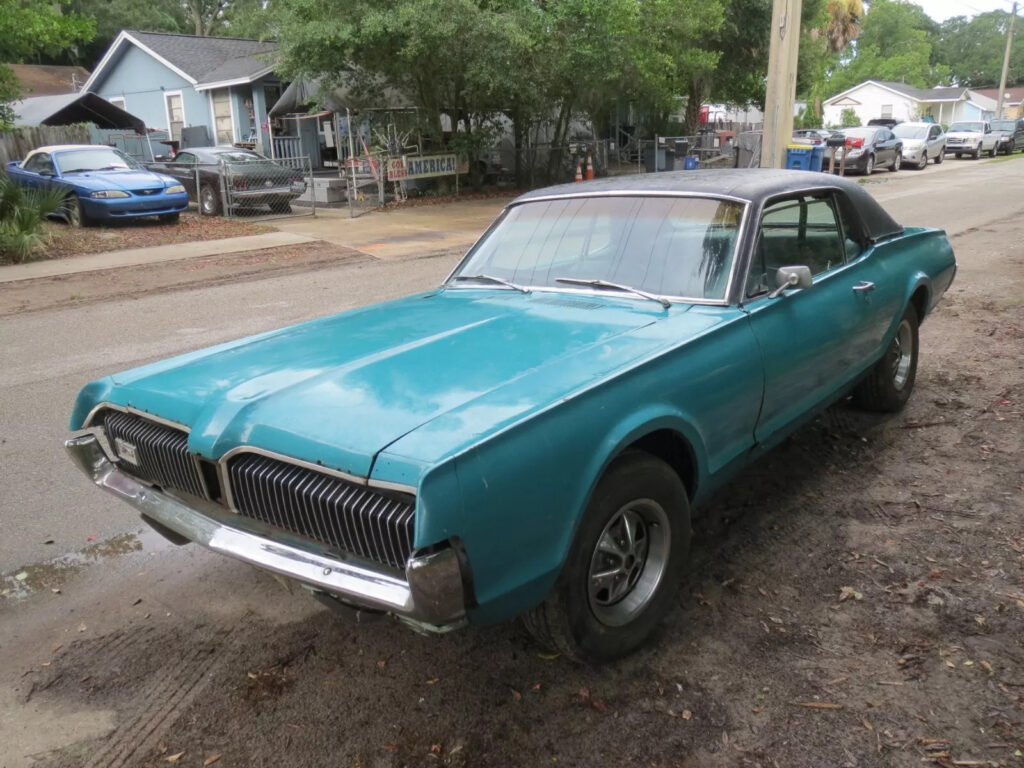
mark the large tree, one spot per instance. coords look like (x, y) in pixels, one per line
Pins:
(896, 42)
(973, 49)
(29, 30)
(111, 16)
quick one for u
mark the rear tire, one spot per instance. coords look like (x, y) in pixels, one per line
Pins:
(994, 151)
(869, 165)
(888, 385)
(209, 200)
(623, 567)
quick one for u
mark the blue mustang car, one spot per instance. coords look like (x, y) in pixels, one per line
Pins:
(102, 183)
(531, 437)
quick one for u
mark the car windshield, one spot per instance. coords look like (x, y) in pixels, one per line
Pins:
(93, 159)
(1004, 125)
(911, 131)
(967, 127)
(667, 246)
(240, 156)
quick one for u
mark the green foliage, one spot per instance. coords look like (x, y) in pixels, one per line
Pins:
(111, 16)
(897, 43)
(10, 90)
(31, 28)
(848, 118)
(807, 118)
(973, 49)
(476, 60)
(22, 213)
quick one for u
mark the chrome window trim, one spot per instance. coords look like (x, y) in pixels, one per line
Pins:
(725, 301)
(136, 412)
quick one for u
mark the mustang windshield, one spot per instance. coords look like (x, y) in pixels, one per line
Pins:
(667, 246)
(93, 159)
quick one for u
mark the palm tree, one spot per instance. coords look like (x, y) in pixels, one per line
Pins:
(843, 23)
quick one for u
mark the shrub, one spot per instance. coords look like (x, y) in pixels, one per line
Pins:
(22, 213)
(848, 118)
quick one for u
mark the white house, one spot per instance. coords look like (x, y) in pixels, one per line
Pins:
(878, 98)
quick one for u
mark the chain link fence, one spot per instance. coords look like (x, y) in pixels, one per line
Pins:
(246, 188)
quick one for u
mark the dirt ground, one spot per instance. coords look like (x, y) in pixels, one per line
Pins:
(64, 241)
(855, 599)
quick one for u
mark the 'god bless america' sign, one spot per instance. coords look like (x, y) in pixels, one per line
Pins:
(424, 167)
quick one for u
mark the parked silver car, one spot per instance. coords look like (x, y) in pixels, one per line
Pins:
(921, 142)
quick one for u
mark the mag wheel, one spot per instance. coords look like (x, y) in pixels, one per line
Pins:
(624, 565)
(888, 385)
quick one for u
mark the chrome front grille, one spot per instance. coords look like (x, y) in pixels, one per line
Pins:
(322, 507)
(153, 452)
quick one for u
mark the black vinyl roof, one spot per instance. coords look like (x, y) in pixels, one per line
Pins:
(755, 185)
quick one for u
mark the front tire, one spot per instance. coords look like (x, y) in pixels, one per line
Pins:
(169, 218)
(888, 385)
(938, 157)
(73, 213)
(924, 161)
(624, 565)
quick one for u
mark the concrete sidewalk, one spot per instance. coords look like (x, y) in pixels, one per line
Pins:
(388, 235)
(131, 257)
(401, 232)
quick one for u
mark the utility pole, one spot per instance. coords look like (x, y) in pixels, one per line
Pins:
(781, 92)
(1006, 64)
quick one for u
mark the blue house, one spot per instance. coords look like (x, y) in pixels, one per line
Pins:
(178, 81)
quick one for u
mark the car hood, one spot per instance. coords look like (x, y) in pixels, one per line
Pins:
(125, 180)
(913, 143)
(340, 389)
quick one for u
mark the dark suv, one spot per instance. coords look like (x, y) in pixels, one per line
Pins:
(1011, 135)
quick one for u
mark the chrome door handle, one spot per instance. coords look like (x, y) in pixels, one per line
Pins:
(863, 287)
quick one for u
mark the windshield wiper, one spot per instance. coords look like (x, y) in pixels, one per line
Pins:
(616, 287)
(493, 279)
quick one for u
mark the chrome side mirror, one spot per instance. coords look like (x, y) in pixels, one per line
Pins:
(791, 277)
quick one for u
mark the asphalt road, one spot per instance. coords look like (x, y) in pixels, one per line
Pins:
(50, 513)
(48, 356)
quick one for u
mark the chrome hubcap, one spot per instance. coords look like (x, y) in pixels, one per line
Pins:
(208, 203)
(901, 352)
(628, 562)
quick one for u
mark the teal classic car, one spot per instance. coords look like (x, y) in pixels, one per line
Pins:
(531, 437)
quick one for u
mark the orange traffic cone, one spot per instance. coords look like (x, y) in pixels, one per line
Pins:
(579, 172)
(590, 167)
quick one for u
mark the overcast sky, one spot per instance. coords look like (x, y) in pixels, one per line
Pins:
(940, 10)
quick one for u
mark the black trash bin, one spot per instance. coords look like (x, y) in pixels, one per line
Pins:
(670, 160)
(649, 156)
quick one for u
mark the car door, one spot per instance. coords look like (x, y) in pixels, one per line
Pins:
(38, 171)
(814, 340)
(183, 168)
(935, 141)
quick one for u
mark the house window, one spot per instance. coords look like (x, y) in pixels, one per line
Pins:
(887, 110)
(175, 115)
(223, 125)
(117, 101)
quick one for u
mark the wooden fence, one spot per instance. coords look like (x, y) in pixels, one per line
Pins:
(14, 145)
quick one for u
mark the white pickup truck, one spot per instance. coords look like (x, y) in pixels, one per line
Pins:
(971, 137)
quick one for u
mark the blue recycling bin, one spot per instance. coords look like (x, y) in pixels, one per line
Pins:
(804, 157)
(691, 163)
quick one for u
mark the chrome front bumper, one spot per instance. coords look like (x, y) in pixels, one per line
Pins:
(432, 595)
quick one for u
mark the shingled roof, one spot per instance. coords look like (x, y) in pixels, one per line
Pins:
(207, 62)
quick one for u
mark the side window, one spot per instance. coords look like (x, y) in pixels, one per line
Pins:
(185, 157)
(853, 233)
(40, 163)
(801, 231)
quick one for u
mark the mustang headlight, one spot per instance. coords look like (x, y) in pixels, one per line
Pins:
(175, 189)
(109, 193)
